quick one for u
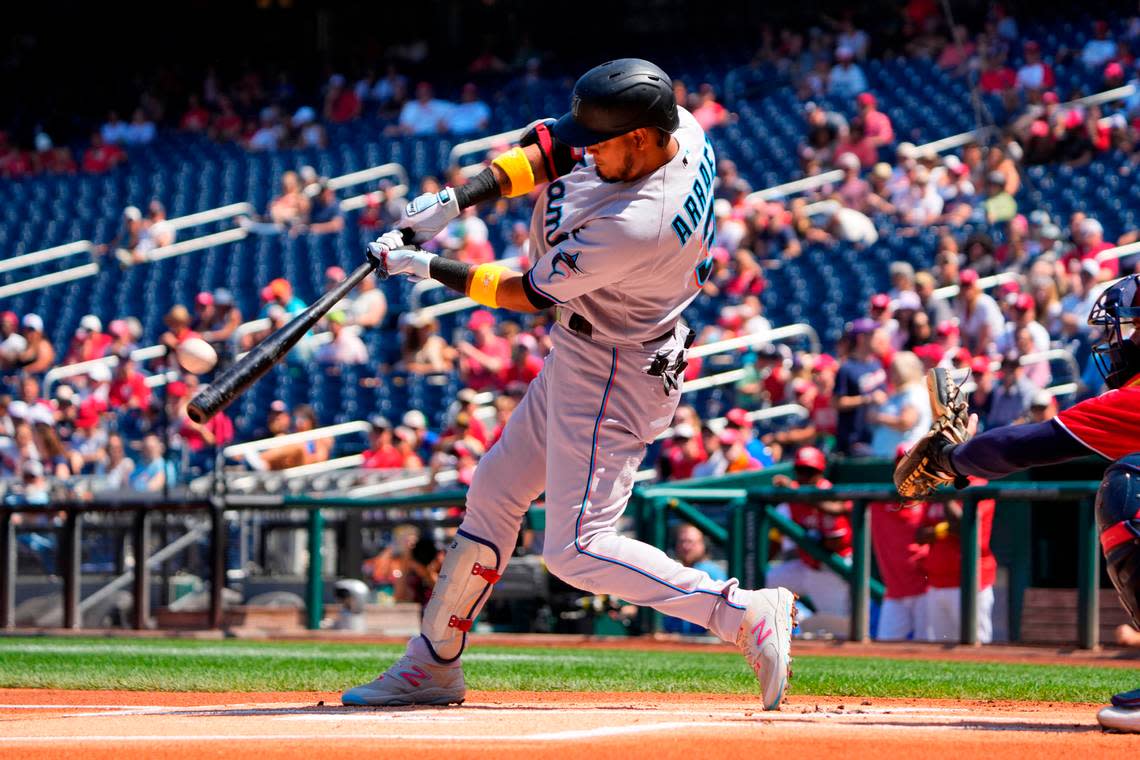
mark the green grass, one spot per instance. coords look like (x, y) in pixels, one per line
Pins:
(184, 665)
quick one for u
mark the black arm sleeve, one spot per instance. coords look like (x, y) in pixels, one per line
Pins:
(1001, 451)
(482, 187)
(450, 272)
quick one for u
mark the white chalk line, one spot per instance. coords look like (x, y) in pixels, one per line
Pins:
(295, 653)
(555, 736)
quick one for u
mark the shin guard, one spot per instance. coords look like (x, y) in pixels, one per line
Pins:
(470, 568)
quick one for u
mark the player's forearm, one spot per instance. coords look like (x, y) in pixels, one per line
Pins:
(489, 284)
(1004, 450)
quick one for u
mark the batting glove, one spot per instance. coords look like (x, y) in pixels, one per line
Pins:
(389, 255)
(427, 215)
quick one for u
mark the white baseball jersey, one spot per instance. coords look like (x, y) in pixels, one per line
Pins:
(628, 256)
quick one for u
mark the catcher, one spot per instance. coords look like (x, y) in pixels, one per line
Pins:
(1108, 425)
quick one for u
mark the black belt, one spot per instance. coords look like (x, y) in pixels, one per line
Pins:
(582, 326)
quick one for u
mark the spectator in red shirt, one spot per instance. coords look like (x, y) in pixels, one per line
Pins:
(101, 158)
(128, 386)
(52, 160)
(858, 143)
(681, 454)
(196, 118)
(827, 523)
(996, 77)
(90, 342)
(876, 124)
(204, 439)
(940, 529)
(383, 453)
(483, 360)
(227, 124)
(1089, 237)
(505, 406)
(523, 368)
(901, 560)
(467, 406)
(16, 164)
(341, 103)
(708, 112)
(1035, 74)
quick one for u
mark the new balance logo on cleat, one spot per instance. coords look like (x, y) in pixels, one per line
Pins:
(412, 675)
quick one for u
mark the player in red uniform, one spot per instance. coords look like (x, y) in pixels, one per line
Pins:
(1108, 425)
(830, 524)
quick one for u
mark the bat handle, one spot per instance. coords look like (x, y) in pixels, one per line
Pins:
(409, 236)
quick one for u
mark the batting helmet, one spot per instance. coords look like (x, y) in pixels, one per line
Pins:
(618, 97)
(1118, 519)
(1116, 312)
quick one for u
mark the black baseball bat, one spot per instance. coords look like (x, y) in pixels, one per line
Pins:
(243, 373)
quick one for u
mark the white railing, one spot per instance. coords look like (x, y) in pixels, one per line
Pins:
(711, 381)
(985, 283)
(1052, 354)
(423, 480)
(195, 244)
(759, 415)
(47, 280)
(368, 175)
(484, 144)
(250, 480)
(47, 254)
(425, 286)
(1119, 251)
(211, 215)
(264, 444)
(751, 341)
(55, 374)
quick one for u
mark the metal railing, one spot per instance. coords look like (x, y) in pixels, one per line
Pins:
(753, 512)
(784, 333)
(55, 374)
(482, 145)
(985, 283)
(264, 444)
(46, 255)
(47, 280)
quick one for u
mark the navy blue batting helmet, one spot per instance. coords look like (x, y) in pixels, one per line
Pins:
(618, 97)
(1118, 519)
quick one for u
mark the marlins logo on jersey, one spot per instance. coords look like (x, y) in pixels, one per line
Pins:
(567, 260)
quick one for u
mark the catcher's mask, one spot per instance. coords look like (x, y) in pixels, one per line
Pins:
(1118, 519)
(1117, 355)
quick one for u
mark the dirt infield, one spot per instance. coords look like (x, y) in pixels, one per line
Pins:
(109, 724)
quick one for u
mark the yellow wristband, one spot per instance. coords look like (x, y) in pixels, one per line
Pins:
(942, 530)
(516, 166)
(485, 283)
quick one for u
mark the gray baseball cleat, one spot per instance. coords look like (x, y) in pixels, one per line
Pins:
(411, 681)
(765, 638)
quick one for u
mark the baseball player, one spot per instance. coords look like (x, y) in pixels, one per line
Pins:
(1108, 425)
(621, 238)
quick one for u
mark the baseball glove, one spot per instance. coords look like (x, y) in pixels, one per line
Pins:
(927, 465)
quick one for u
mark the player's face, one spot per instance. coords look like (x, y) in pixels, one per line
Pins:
(614, 159)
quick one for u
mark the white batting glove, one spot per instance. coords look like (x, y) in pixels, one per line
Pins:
(390, 255)
(427, 215)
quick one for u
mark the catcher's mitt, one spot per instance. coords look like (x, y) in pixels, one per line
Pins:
(927, 465)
